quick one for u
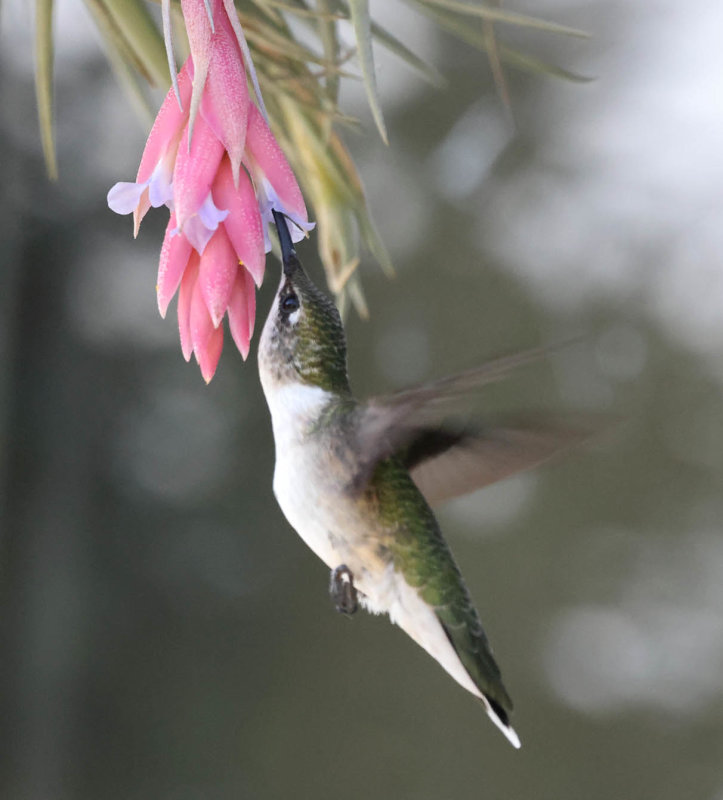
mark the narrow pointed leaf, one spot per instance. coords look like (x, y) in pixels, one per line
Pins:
(248, 61)
(394, 45)
(330, 42)
(493, 56)
(44, 81)
(140, 31)
(356, 295)
(428, 72)
(268, 9)
(114, 36)
(170, 53)
(374, 242)
(508, 17)
(529, 63)
(267, 38)
(121, 62)
(362, 31)
(476, 38)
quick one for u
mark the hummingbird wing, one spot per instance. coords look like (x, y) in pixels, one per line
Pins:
(448, 461)
(446, 464)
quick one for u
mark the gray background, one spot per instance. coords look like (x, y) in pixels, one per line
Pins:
(164, 632)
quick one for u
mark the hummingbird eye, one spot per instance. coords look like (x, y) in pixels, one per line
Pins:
(290, 303)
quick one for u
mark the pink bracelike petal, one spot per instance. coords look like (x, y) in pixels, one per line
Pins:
(207, 340)
(170, 121)
(245, 53)
(195, 170)
(185, 298)
(209, 357)
(175, 253)
(268, 158)
(201, 324)
(241, 311)
(243, 224)
(225, 104)
(198, 29)
(152, 184)
(216, 275)
(170, 55)
(160, 189)
(140, 211)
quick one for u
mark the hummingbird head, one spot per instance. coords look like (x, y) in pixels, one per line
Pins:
(303, 338)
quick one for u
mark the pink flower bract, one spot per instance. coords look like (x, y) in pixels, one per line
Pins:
(213, 161)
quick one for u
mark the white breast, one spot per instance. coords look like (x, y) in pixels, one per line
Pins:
(302, 487)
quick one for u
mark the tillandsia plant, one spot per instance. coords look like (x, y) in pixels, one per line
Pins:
(212, 160)
(252, 108)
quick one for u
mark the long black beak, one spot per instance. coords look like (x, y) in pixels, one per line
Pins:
(289, 258)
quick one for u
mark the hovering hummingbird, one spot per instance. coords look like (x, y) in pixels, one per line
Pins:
(356, 479)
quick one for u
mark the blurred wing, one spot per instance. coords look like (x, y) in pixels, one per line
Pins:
(470, 461)
(388, 420)
(412, 420)
(441, 395)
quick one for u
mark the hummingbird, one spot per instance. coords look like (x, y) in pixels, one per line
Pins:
(356, 479)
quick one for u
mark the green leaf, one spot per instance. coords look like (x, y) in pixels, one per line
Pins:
(113, 36)
(362, 30)
(529, 63)
(388, 40)
(44, 81)
(136, 26)
(330, 42)
(271, 42)
(356, 294)
(299, 10)
(430, 73)
(492, 49)
(374, 242)
(122, 62)
(500, 15)
(472, 36)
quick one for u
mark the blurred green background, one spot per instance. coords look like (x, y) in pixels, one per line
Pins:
(165, 634)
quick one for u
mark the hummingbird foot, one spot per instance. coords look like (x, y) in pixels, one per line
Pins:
(342, 590)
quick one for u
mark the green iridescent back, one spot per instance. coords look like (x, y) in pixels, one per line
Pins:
(420, 553)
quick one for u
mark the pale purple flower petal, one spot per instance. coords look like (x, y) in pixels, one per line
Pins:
(160, 186)
(197, 233)
(269, 201)
(210, 215)
(124, 196)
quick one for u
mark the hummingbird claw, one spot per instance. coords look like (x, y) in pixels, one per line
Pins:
(342, 590)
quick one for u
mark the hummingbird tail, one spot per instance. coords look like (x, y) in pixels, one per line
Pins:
(499, 716)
